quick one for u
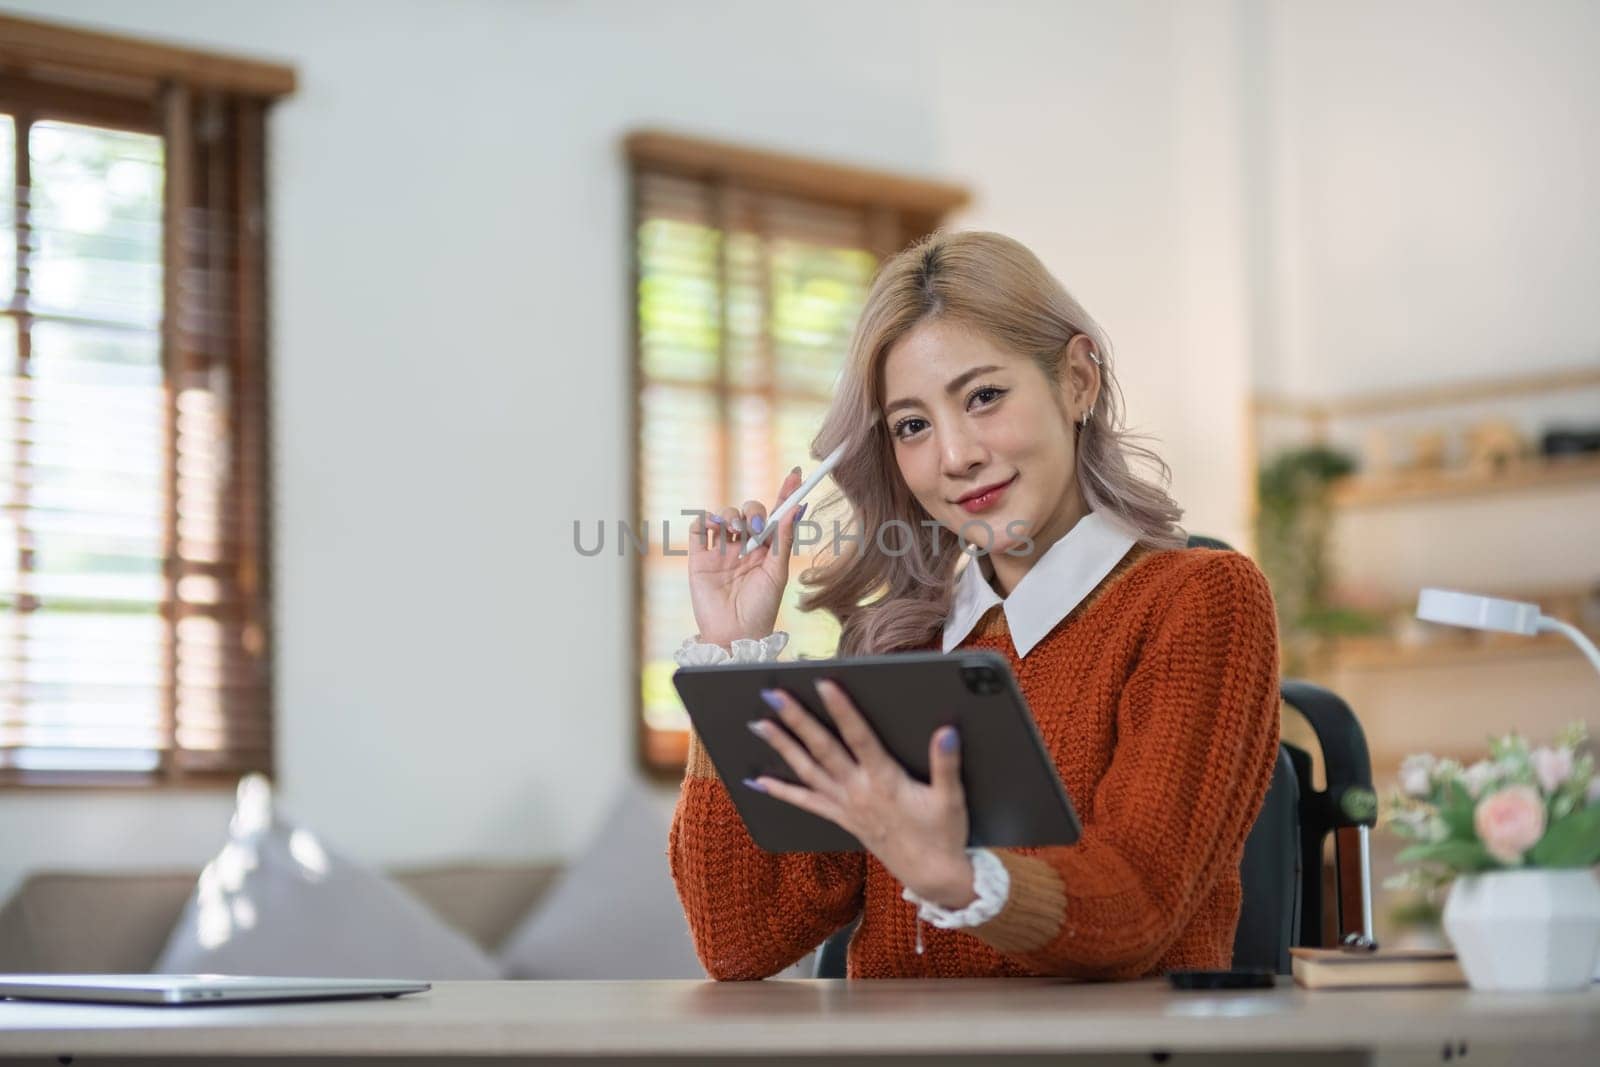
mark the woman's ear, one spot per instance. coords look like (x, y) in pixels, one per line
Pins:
(1080, 377)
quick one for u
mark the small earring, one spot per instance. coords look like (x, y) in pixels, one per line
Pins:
(1096, 358)
(1084, 425)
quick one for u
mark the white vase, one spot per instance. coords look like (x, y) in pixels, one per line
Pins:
(1529, 929)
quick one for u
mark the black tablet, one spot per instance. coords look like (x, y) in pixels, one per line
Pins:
(1014, 797)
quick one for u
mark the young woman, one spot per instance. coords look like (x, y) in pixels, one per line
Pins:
(981, 411)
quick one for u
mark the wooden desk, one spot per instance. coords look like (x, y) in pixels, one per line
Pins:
(791, 1022)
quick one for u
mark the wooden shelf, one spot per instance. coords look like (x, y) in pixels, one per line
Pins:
(1445, 394)
(1372, 653)
(1365, 490)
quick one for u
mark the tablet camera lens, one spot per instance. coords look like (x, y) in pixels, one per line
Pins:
(983, 681)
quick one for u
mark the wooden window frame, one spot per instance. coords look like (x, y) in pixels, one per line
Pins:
(210, 111)
(900, 208)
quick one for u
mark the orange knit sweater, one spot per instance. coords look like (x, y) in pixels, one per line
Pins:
(1157, 698)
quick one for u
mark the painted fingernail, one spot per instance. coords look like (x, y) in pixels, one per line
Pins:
(715, 518)
(753, 784)
(773, 698)
(949, 741)
(757, 727)
(800, 512)
(756, 523)
(796, 469)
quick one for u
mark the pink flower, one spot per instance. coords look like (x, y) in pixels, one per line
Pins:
(1510, 821)
(1553, 766)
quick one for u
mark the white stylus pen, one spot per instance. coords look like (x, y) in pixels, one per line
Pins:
(792, 501)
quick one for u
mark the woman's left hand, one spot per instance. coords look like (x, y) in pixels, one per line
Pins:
(918, 832)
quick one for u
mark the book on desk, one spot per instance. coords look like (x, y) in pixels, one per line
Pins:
(1332, 968)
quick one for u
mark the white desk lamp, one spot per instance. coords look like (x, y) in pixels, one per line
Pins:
(1506, 616)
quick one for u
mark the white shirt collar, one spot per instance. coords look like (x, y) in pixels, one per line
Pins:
(1068, 571)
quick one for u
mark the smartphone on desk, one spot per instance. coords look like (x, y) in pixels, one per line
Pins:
(1238, 978)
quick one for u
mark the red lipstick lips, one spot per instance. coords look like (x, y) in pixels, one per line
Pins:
(985, 498)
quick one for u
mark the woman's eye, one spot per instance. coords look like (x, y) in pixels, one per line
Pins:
(982, 396)
(906, 427)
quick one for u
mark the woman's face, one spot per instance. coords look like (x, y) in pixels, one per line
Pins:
(984, 440)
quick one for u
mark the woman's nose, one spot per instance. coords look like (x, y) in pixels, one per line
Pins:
(960, 453)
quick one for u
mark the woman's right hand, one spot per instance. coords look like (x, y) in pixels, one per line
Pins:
(738, 595)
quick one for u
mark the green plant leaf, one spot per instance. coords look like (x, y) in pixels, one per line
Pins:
(1456, 807)
(1570, 842)
(1340, 621)
(1457, 855)
(1562, 805)
(1575, 734)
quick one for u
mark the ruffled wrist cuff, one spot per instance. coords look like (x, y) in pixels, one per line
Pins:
(990, 880)
(696, 653)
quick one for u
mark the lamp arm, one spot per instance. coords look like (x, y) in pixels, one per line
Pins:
(1546, 624)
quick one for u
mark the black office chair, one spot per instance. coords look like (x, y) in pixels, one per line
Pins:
(1281, 870)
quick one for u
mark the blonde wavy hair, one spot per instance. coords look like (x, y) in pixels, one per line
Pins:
(888, 601)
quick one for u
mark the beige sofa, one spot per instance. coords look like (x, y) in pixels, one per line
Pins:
(60, 921)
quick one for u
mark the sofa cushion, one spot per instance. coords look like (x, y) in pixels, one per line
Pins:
(277, 901)
(63, 922)
(484, 901)
(614, 913)
(119, 921)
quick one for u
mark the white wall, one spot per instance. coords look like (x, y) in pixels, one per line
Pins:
(1427, 172)
(450, 322)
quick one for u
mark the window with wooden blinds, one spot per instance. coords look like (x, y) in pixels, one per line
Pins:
(750, 270)
(134, 644)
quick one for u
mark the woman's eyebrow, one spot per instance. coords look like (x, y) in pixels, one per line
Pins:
(955, 384)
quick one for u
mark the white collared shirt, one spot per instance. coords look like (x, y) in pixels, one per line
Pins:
(1068, 572)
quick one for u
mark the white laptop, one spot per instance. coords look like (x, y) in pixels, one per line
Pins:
(195, 988)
